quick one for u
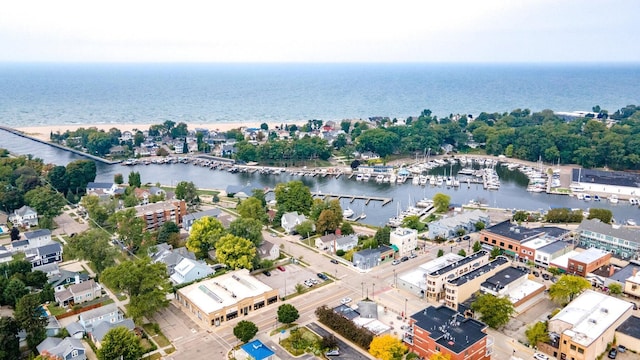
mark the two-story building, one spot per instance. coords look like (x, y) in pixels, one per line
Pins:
(588, 261)
(188, 270)
(290, 220)
(45, 254)
(404, 239)
(24, 216)
(189, 219)
(437, 279)
(620, 241)
(450, 227)
(548, 252)
(78, 293)
(509, 236)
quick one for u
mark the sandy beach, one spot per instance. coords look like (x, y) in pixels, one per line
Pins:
(43, 132)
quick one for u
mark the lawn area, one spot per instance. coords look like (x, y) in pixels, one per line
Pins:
(56, 310)
(153, 330)
(300, 341)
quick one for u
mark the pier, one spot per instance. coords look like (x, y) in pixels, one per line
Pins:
(77, 152)
(353, 198)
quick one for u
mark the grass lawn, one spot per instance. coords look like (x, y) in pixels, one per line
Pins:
(154, 332)
(301, 341)
(56, 310)
(156, 356)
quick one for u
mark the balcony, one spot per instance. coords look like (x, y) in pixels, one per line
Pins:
(490, 341)
(408, 338)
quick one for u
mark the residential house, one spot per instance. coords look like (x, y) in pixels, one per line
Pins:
(268, 251)
(101, 188)
(404, 239)
(344, 243)
(586, 326)
(102, 328)
(188, 270)
(19, 246)
(117, 150)
(5, 255)
(62, 278)
(45, 254)
(446, 331)
(189, 219)
(109, 313)
(49, 269)
(66, 349)
(369, 258)
(38, 237)
(25, 216)
(53, 326)
(166, 254)
(290, 220)
(78, 293)
(620, 241)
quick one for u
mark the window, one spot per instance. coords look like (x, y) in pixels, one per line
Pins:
(573, 347)
(74, 353)
(501, 244)
(580, 268)
(580, 350)
(510, 246)
(437, 348)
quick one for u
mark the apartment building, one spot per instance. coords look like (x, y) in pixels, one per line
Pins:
(462, 288)
(156, 214)
(438, 278)
(619, 241)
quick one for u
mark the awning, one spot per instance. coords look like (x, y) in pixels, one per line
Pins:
(395, 248)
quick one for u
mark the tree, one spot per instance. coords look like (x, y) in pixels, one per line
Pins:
(605, 215)
(440, 253)
(9, 343)
(79, 173)
(188, 192)
(167, 230)
(383, 235)
(520, 216)
(248, 228)
(328, 221)
(554, 270)
(98, 213)
(134, 179)
(462, 253)
(477, 246)
(245, 330)
(145, 282)
(287, 313)
(236, 252)
(346, 228)
(46, 201)
(57, 178)
(495, 252)
(252, 208)
(615, 288)
(205, 233)
(494, 311)
(537, 333)
(93, 246)
(130, 228)
(441, 202)
(28, 316)
(567, 287)
(293, 196)
(413, 222)
(118, 179)
(15, 234)
(120, 343)
(387, 347)
(305, 228)
(329, 341)
(15, 290)
(479, 225)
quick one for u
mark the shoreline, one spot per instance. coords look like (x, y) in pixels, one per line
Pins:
(43, 132)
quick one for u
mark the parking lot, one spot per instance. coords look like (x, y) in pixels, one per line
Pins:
(287, 280)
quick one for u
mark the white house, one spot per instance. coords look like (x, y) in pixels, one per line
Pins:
(25, 216)
(38, 238)
(406, 240)
(290, 220)
(104, 188)
(268, 251)
(189, 270)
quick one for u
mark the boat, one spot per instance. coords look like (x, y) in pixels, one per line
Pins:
(423, 179)
(347, 213)
(366, 177)
(359, 177)
(580, 196)
(575, 187)
(613, 199)
(415, 180)
(631, 222)
(380, 178)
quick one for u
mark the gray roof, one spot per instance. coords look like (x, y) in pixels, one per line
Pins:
(460, 263)
(554, 247)
(97, 312)
(517, 232)
(47, 268)
(61, 347)
(99, 185)
(503, 278)
(626, 272)
(37, 233)
(198, 215)
(500, 260)
(630, 327)
(368, 309)
(100, 330)
(64, 275)
(590, 255)
(450, 329)
(24, 210)
(597, 226)
(616, 178)
(49, 248)
(74, 328)
(346, 311)
(19, 243)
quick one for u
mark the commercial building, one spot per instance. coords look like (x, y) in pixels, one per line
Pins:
(213, 301)
(436, 279)
(415, 280)
(632, 284)
(369, 258)
(461, 288)
(404, 239)
(546, 253)
(509, 237)
(621, 242)
(628, 334)
(620, 183)
(444, 330)
(514, 284)
(154, 215)
(588, 261)
(585, 326)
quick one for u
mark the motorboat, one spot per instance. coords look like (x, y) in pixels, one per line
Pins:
(596, 197)
(633, 201)
(586, 197)
(347, 213)
(631, 222)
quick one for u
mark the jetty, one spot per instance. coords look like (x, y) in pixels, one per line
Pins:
(77, 152)
(352, 198)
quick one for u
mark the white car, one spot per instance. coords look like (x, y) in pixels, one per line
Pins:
(345, 301)
(539, 356)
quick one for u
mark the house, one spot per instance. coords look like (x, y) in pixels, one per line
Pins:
(49, 269)
(189, 219)
(78, 293)
(75, 330)
(117, 150)
(343, 243)
(66, 349)
(102, 188)
(53, 326)
(188, 270)
(325, 241)
(19, 246)
(369, 258)
(404, 239)
(109, 313)
(25, 216)
(60, 279)
(5, 255)
(290, 220)
(45, 254)
(100, 330)
(587, 325)
(446, 331)
(268, 251)
(38, 237)
(166, 254)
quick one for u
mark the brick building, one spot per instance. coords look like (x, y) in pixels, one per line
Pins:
(588, 261)
(156, 214)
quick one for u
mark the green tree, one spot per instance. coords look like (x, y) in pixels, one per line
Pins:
(567, 287)
(118, 179)
(248, 228)
(188, 192)
(554, 270)
(380, 141)
(166, 231)
(9, 343)
(479, 225)
(440, 253)
(615, 288)
(462, 253)
(413, 222)
(494, 311)
(134, 179)
(252, 208)
(520, 216)
(236, 252)
(495, 252)
(46, 201)
(245, 330)
(605, 215)
(328, 221)
(29, 318)
(287, 313)
(441, 202)
(537, 333)
(79, 173)
(146, 283)
(293, 196)
(130, 228)
(120, 343)
(387, 347)
(305, 228)
(205, 233)
(92, 246)
(15, 290)
(477, 246)
(383, 235)
(57, 178)
(346, 228)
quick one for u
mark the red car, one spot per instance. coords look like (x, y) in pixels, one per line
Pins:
(281, 268)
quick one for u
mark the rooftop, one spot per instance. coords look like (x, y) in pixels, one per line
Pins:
(538, 242)
(590, 255)
(630, 327)
(225, 290)
(562, 261)
(37, 233)
(626, 272)
(257, 350)
(503, 278)
(201, 214)
(439, 263)
(590, 315)
(461, 262)
(554, 247)
(500, 260)
(523, 233)
(450, 329)
(597, 226)
(155, 207)
(616, 178)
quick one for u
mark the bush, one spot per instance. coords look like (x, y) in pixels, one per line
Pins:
(356, 334)
(340, 252)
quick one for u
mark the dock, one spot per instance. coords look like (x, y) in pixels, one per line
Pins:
(77, 152)
(353, 198)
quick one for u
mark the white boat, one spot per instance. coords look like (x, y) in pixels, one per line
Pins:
(347, 213)
(415, 180)
(613, 199)
(596, 197)
(380, 178)
(359, 177)
(366, 177)
(575, 187)
(432, 181)
(631, 222)
(580, 196)
(423, 179)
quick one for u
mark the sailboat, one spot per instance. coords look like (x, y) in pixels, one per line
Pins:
(363, 215)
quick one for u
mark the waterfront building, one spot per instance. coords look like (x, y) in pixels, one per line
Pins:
(619, 183)
(448, 227)
(509, 236)
(290, 220)
(154, 215)
(414, 280)
(586, 326)
(621, 242)
(405, 240)
(99, 188)
(459, 289)
(445, 331)
(213, 301)
(369, 258)
(437, 279)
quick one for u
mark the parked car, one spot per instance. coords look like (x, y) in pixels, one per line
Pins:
(612, 353)
(413, 256)
(546, 276)
(466, 237)
(395, 262)
(267, 273)
(404, 258)
(335, 352)
(323, 276)
(281, 268)
(536, 274)
(458, 239)
(539, 356)
(334, 261)
(345, 301)
(622, 348)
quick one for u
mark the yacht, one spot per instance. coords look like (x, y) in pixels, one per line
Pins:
(380, 178)
(347, 213)
(366, 177)
(415, 180)
(359, 177)
(596, 197)
(423, 179)
(631, 222)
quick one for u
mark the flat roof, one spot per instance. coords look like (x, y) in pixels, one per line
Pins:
(450, 329)
(630, 327)
(590, 255)
(538, 242)
(626, 272)
(551, 248)
(597, 226)
(257, 350)
(155, 207)
(523, 290)
(500, 260)
(459, 263)
(513, 231)
(590, 315)
(562, 261)
(616, 178)
(213, 294)
(503, 278)
(438, 263)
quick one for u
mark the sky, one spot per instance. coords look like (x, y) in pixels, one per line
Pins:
(485, 31)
